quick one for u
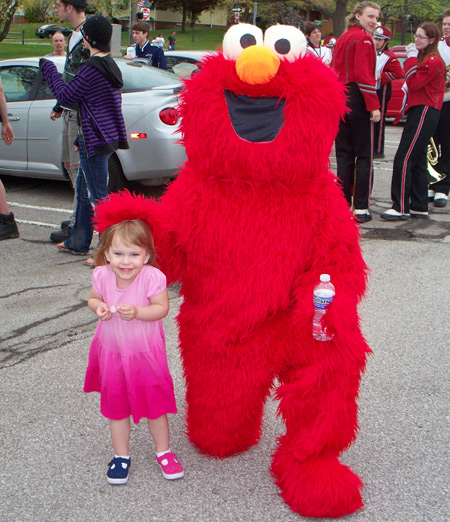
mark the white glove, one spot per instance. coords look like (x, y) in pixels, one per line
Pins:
(411, 51)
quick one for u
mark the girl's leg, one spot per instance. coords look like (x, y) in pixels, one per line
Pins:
(168, 461)
(159, 430)
(3, 202)
(120, 436)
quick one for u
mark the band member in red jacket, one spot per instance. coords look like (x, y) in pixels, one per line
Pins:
(354, 62)
(388, 69)
(425, 81)
(439, 191)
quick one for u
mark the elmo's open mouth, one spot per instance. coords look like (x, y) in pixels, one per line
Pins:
(257, 120)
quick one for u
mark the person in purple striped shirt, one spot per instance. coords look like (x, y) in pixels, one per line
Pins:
(96, 90)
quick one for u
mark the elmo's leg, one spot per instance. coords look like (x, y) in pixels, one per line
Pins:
(318, 404)
(227, 384)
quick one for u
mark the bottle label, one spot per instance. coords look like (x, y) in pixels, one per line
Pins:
(322, 302)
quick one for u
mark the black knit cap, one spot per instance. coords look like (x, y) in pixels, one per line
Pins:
(76, 3)
(97, 30)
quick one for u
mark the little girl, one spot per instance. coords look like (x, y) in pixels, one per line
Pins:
(127, 359)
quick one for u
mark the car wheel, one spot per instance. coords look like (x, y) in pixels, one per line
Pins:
(117, 181)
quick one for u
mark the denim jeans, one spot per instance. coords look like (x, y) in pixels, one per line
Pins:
(91, 185)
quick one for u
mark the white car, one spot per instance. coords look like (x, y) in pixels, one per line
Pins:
(149, 101)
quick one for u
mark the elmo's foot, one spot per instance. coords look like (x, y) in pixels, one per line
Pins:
(319, 488)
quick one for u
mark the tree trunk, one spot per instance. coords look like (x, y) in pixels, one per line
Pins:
(405, 22)
(6, 19)
(183, 19)
(339, 17)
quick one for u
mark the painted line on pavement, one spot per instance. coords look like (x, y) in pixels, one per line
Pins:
(34, 207)
(37, 223)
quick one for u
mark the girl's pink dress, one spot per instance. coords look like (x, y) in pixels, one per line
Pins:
(127, 359)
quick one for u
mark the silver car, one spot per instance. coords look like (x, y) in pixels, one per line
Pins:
(185, 63)
(149, 102)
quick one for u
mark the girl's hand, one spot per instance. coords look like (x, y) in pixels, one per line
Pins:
(127, 312)
(103, 313)
(411, 50)
(7, 133)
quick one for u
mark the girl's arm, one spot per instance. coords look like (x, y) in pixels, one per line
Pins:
(417, 77)
(68, 93)
(156, 310)
(98, 306)
(7, 132)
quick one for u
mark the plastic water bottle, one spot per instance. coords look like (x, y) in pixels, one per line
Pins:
(323, 296)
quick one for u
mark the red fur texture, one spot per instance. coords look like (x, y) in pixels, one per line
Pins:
(248, 228)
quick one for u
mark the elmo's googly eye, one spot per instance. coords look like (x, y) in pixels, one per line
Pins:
(239, 37)
(285, 41)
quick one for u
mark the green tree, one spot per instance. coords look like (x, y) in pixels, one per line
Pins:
(420, 10)
(187, 8)
(286, 13)
(108, 8)
(37, 10)
(336, 10)
(7, 10)
(411, 13)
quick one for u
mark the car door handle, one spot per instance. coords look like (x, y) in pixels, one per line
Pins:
(13, 118)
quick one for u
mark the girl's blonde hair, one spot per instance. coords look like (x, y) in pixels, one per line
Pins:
(359, 9)
(133, 233)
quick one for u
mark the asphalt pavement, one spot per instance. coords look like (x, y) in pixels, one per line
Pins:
(54, 444)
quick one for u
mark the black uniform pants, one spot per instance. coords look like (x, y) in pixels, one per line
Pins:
(409, 188)
(442, 139)
(384, 95)
(354, 150)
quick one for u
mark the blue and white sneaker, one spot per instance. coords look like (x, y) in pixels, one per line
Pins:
(118, 470)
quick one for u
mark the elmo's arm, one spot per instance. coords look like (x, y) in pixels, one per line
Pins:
(336, 252)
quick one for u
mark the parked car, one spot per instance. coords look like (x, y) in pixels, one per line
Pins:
(47, 31)
(396, 102)
(149, 101)
(185, 63)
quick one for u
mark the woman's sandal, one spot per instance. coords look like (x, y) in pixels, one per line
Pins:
(89, 262)
(62, 248)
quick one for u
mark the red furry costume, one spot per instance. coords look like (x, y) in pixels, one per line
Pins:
(247, 228)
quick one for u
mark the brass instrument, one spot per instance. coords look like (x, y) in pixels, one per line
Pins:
(447, 82)
(432, 158)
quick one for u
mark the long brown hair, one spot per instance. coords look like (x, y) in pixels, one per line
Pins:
(133, 232)
(432, 31)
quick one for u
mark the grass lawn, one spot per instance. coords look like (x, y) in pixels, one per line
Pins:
(204, 38)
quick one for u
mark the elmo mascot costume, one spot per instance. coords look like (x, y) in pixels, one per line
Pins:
(247, 228)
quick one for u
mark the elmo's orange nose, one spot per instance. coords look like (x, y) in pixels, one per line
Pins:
(257, 65)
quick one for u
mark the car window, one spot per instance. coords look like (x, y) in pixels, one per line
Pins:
(44, 92)
(138, 76)
(175, 60)
(17, 82)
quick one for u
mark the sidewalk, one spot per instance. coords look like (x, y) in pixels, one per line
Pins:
(55, 445)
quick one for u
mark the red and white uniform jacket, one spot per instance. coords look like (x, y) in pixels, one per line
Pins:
(323, 53)
(389, 67)
(444, 51)
(354, 61)
(425, 82)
